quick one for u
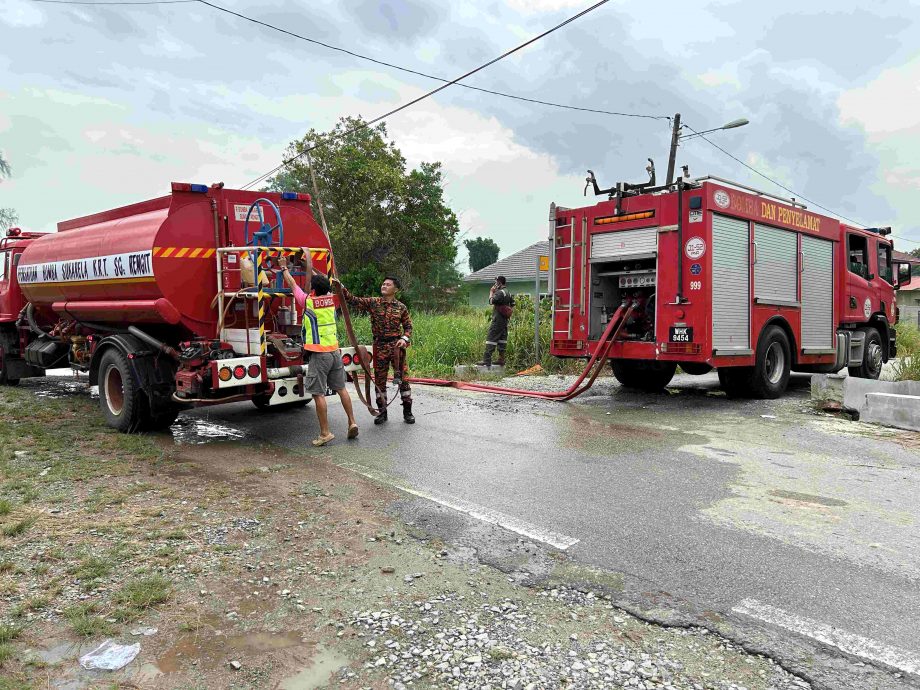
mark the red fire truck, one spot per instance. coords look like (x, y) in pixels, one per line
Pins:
(153, 301)
(716, 275)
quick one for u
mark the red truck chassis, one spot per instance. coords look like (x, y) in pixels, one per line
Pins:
(720, 276)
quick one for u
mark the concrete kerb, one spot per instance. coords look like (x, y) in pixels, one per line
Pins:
(892, 403)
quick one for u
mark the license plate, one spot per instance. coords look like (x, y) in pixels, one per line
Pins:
(681, 334)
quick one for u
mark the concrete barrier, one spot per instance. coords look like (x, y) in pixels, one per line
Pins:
(891, 409)
(892, 403)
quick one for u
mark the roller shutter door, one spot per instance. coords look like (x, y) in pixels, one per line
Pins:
(731, 303)
(818, 293)
(612, 245)
(775, 266)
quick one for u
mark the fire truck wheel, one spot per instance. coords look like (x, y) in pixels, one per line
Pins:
(735, 381)
(119, 395)
(163, 419)
(773, 362)
(5, 379)
(644, 376)
(873, 357)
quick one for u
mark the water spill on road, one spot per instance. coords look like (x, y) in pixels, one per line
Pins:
(323, 664)
(215, 650)
(191, 431)
(797, 497)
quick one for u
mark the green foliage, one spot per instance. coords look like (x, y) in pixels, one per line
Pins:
(907, 366)
(19, 527)
(84, 621)
(8, 216)
(9, 632)
(483, 252)
(380, 215)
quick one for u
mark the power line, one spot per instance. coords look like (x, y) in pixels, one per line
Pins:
(782, 186)
(428, 94)
(361, 56)
(419, 73)
(116, 2)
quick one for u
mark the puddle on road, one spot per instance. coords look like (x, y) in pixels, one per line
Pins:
(64, 651)
(322, 666)
(190, 431)
(811, 499)
(215, 651)
(58, 388)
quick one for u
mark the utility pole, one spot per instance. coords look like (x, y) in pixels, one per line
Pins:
(675, 135)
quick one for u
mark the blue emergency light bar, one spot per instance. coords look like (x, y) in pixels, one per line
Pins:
(186, 187)
(294, 196)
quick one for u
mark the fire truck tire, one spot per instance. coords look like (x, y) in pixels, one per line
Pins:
(120, 398)
(644, 376)
(871, 367)
(163, 419)
(735, 381)
(772, 364)
(5, 379)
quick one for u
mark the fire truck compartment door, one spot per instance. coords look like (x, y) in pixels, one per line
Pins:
(776, 265)
(731, 280)
(817, 293)
(642, 242)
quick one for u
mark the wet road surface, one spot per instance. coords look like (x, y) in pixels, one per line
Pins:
(791, 530)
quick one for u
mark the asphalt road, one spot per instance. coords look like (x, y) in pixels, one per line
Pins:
(790, 530)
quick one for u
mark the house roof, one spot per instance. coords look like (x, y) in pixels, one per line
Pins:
(914, 284)
(519, 266)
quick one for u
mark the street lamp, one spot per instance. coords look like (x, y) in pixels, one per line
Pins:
(676, 137)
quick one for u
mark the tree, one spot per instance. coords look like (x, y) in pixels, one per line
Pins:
(380, 215)
(915, 269)
(8, 216)
(483, 252)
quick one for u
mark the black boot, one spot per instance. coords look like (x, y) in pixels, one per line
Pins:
(408, 417)
(381, 416)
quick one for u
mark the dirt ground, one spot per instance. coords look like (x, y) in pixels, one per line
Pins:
(236, 565)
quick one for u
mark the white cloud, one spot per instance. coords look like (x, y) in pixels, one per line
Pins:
(888, 104)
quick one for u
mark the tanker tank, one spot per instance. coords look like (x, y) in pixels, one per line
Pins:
(154, 262)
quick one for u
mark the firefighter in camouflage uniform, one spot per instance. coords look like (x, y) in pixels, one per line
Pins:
(391, 327)
(502, 304)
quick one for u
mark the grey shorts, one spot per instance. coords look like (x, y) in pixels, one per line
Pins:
(324, 372)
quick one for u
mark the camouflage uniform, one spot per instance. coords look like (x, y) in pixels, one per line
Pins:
(390, 322)
(498, 328)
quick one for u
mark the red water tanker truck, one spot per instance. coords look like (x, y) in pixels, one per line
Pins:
(152, 301)
(716, 275)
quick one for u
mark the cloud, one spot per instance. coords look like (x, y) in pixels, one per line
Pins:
(404, 20)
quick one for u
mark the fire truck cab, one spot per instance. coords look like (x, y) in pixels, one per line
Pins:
(720, 276)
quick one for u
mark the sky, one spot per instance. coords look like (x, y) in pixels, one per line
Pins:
(105, 106)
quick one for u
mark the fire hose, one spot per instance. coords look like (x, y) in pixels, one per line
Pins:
(591, 371)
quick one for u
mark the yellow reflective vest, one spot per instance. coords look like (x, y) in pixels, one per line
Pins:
(319, 332)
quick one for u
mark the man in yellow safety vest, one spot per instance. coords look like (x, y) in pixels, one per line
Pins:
(325, 370)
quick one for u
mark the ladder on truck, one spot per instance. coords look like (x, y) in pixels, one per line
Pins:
(260, 248)
(569, 271)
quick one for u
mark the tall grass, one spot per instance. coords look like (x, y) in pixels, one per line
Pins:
(907, 366)
(441, 341)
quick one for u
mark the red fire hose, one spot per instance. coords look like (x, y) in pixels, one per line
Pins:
(591, 371)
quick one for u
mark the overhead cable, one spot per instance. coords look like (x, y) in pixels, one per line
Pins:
(428, 94)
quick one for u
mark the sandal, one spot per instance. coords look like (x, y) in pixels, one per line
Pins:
(353, 431)
(322, 440)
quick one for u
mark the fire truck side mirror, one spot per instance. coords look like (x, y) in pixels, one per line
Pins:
(903, 274)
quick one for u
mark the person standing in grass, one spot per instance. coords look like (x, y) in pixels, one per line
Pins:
(391, 327)
(497, 337)
(325, 370)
